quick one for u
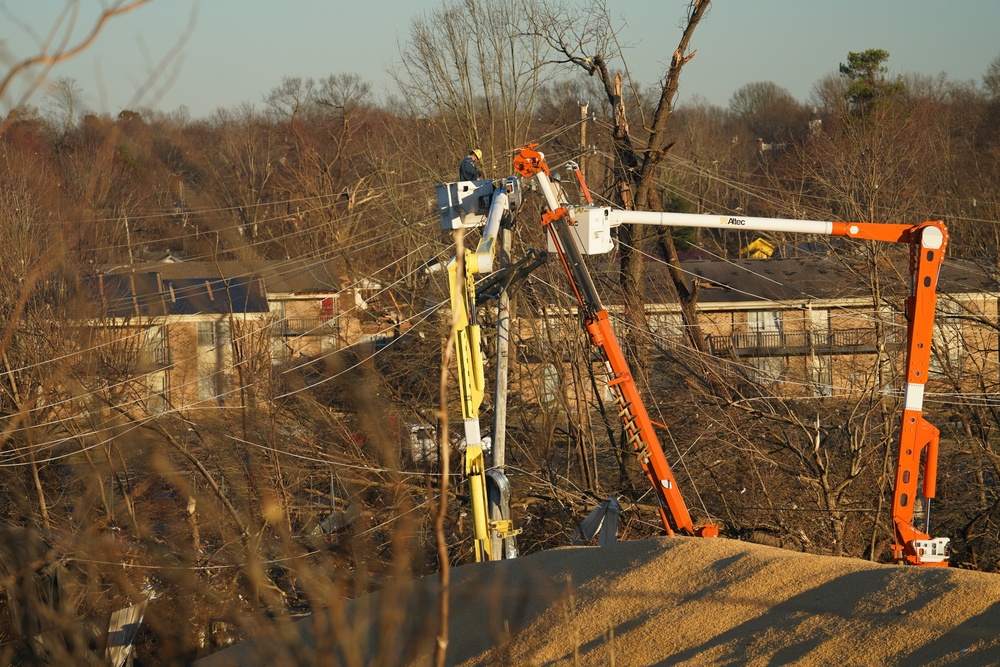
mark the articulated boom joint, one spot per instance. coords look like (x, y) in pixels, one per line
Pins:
(548, 217)
(528, 162)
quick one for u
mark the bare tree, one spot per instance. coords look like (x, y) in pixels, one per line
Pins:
(60, 45)
(991, 79)
(241, 167)
(474, 67)
(65, 103)
(591, 45)
(292, 98)
(345, 94)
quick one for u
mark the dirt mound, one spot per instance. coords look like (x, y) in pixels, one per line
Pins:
(662, 601)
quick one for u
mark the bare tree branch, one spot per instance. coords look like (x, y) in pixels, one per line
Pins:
(63, 52)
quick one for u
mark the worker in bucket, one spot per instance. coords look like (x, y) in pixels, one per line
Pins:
(469, 169)
(557, 189)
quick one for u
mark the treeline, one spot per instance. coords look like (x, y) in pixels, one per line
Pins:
(295, 174)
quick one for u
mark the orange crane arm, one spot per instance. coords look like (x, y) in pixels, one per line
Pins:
(636, 422)
(918, 439)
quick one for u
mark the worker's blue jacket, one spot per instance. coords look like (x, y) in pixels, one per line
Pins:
(468, 171)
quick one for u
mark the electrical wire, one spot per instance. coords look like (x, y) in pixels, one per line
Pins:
(361, 246)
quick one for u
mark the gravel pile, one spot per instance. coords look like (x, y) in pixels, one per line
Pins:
(672, 601)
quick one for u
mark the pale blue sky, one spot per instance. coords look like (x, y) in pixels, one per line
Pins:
(238, 50)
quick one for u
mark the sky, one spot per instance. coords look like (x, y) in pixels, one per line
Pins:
(207, 54)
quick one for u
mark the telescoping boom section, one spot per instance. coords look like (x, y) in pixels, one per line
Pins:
(636, 422)
(587, 230)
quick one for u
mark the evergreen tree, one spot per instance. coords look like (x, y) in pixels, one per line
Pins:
(869, 85)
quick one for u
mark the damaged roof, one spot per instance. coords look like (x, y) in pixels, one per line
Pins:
(298, 276)
(208, 296)
(149, 294)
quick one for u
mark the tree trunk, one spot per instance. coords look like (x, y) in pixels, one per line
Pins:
(634, 186)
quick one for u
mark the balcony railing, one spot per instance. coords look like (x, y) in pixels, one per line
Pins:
(304, 326)
(799, 343)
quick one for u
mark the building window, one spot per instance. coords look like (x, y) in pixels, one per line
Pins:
(821, 368)
(946, 349)
(156, 393)
(558, 325)
(214, 357)
(279, 350)
(765, 334)
(156, 352)
(820, 365)
(765, 328)
(766, 370)
(550, 384)
(206, 334)
(278, 322)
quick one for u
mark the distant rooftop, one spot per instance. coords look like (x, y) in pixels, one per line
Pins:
(810, 278)
(298, 276)
(150, 295)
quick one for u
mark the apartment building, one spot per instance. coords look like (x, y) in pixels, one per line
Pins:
(822, 325)
(201, 333)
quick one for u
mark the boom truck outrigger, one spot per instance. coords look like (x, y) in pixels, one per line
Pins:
(588, 231)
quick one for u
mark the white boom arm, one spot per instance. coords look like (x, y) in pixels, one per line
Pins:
(594, 225)
(467, 344)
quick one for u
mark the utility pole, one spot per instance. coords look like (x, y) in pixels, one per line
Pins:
(503, 345)
(584, 106)
(498, 492)
(128, 239)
